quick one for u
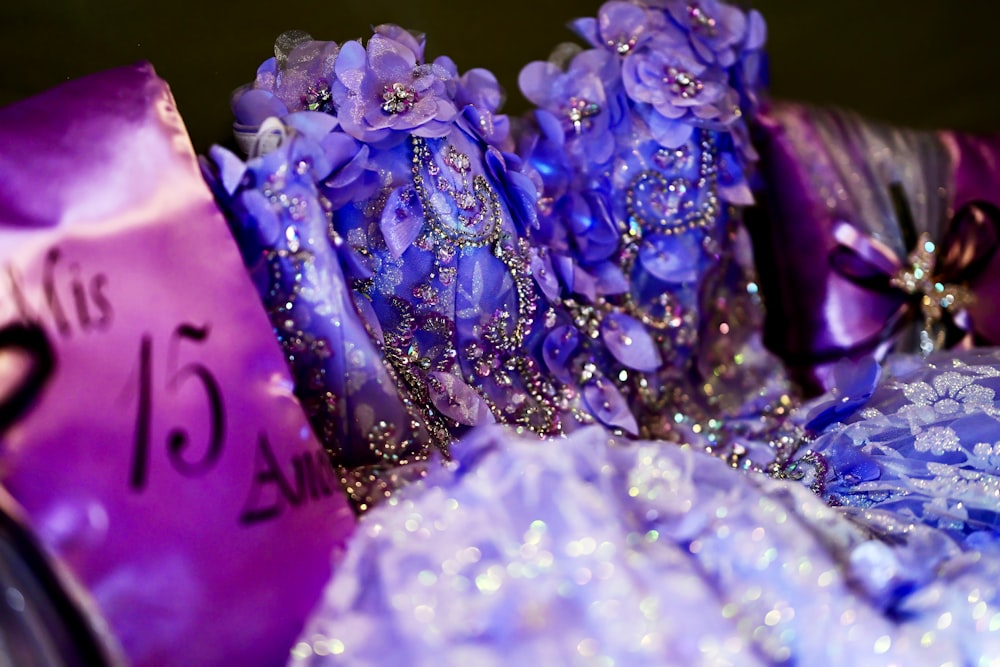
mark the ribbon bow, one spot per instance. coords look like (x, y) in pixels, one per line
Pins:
(934, 280)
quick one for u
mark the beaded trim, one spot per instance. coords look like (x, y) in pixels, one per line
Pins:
(703, 217)
(464, 235)
(497, 355)
(588, 317)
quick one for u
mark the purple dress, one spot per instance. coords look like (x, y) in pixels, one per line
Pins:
(585, 547)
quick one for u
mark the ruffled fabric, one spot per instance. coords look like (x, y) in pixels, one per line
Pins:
(591, 550)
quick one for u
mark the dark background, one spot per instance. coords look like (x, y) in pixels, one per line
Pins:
(918, 63)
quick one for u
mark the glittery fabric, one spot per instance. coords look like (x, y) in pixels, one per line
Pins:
(351, 393)
(606, 552)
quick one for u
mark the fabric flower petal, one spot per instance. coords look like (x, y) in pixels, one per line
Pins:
(230, 168)
(610, 279)
(558, 349)
(313, 124)
(629, 342)
(608, 405)
(456, 400)
(402, 220)
(855, 384)
(254, 106)
(672, 258)
(545, 275)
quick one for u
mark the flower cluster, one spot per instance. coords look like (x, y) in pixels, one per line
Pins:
(380, 92)
(357, 102)
(678, 65)
(352, 107)
(657, 72)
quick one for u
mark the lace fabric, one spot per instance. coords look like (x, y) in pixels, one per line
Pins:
(924, 446)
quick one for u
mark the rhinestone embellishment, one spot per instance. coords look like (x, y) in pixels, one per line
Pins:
(682, 83)
(398, 98)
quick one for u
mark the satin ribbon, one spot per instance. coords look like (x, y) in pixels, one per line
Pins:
(936, 279)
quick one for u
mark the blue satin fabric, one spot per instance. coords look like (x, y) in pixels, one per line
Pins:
(925, 447)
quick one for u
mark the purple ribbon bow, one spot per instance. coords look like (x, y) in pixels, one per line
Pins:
(946, 282)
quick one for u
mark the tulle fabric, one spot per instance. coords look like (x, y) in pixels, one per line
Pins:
(594, 551)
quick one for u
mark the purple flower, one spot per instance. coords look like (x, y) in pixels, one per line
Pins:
(517, 189)
(619, 26)
(414, 41)
(480, 96)
(666, 74)
(608, 405)
(599, 279)
(630, 342)
(298, 79)
(579, 98)
(543, 145)
(340, 164)
(383, 93)
(487, 127)
(591, 225)
(756, 33)
(353, 177)
(715, 29)
(749, 75)
(668, 132)
(671, 258)
(577, 226)
(479, 87)
(558, 351)
(252, 106)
